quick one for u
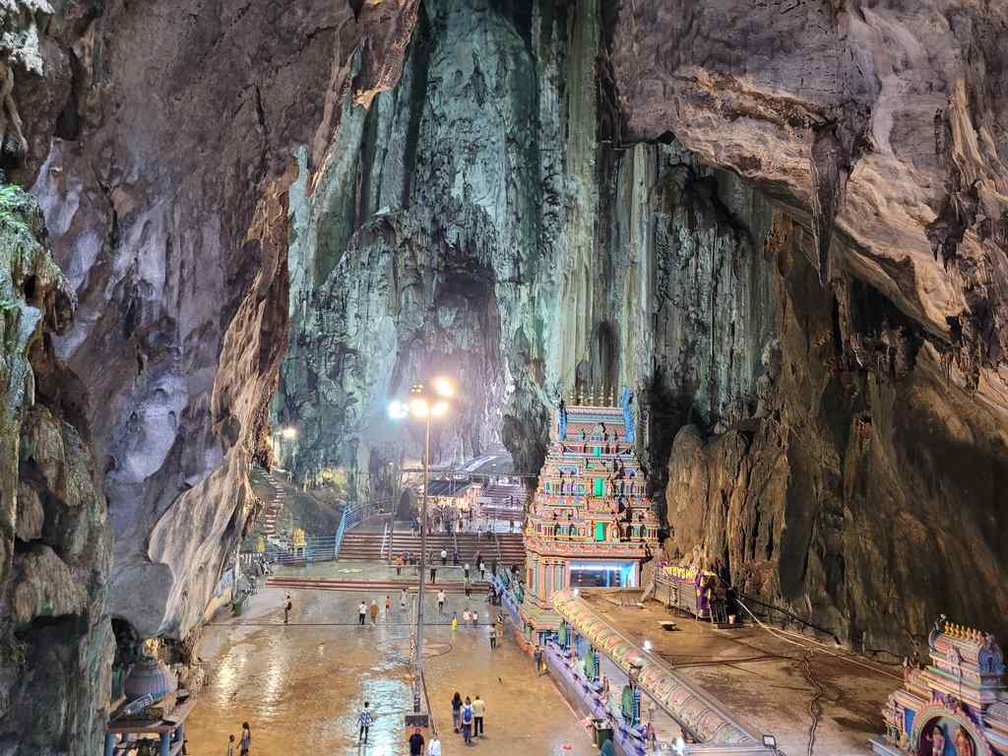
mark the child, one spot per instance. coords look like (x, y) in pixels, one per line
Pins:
(454, 621)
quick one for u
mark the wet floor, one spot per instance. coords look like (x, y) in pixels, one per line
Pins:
(300, 686)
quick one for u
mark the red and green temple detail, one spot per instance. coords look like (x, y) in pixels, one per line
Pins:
(591, 523)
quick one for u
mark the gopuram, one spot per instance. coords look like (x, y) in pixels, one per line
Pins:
(956, 706)
(591, 523)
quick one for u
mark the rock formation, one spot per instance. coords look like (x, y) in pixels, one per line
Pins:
(55, 542)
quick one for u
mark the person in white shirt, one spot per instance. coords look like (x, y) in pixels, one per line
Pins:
(434, 747)
(440, 601)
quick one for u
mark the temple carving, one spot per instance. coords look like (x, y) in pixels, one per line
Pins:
(591, 523)
(955, 706)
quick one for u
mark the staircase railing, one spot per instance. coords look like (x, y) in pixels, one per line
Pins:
(340, 532)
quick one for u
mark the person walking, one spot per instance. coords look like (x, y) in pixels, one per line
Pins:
(456, 711)
(433, 574)
(440, 601)
(416, 743)
(402, 599)
(231, 745)
(498, 630)
(361, 612)
(398, 564)
(465, 570)
(468, 588)
(364, 720)
(245, 745)
(479, 711)
(493, 639)
(466, 616)
(454, 621)
(455, 557)
(475, 616)
(444, 557)
(373, 611)
(388, 606)
(434, 747)
(479, 561)
(467, 721)
(288, 605)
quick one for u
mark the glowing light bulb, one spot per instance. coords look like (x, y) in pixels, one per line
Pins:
(440, 409)
(419, 408)
(397, 410)
(289, 432)
(444, 387)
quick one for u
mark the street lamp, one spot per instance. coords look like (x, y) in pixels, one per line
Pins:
(424, 403)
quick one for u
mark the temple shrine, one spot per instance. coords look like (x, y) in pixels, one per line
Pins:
(955, 706)
(591, 523)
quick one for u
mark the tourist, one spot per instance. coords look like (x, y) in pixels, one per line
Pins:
(454, 621)
(388, 606)
(246, 739)
(402, 599)
(364, 720)
(434, 747)
(498, 631)
(493, 639)
(231, 745)
(455, 557)
(373, 609)
(456, 711)
(479, 711)
(466, 718)
(466, 616)
(468, 588)
(398, 565)
(288, 605)
(537, 656)
(362, 612)
(493, 567)
(444, 557)
(475, 616)
(465, 570)
(416, 743)
(433, 574)
(479, 562)
(440, 601)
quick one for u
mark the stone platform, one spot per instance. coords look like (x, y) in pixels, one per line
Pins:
(765, 680)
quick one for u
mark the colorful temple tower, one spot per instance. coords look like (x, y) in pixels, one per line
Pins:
(956, 706)
(591, 523)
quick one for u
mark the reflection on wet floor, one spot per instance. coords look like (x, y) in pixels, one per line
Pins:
(301, 686)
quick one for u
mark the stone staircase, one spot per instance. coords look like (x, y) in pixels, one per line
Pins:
(266, 487)
(367, 545)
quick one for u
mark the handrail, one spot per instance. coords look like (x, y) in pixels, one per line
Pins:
(789, 614)
(340, 532)
(381, 551)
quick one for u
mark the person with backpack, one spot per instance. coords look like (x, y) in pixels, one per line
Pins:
(364, 721)
(467, 721)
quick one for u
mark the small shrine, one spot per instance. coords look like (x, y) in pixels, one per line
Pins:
(955, 706)
(591, 523)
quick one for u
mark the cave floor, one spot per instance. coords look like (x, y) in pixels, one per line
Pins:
(301, 686)
(761, 677)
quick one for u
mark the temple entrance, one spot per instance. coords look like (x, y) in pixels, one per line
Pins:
(607, 574)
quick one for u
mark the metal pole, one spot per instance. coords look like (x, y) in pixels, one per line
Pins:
(418, 635)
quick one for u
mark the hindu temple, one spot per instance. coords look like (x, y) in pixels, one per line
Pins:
(957, 705)
(591, 523)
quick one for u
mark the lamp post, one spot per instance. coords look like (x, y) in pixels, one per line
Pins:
(424, 404)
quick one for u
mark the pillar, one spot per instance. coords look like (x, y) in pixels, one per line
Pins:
(110, 740)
